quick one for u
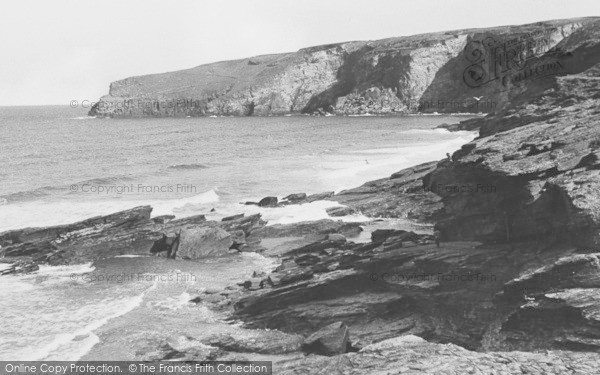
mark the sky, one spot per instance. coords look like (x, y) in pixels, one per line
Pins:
(62, 50)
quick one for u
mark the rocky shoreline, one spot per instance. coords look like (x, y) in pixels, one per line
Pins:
(513, 287)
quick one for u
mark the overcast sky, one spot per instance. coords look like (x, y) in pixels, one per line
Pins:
(60, 50)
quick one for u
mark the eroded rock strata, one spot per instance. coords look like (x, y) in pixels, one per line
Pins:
(513, 287)
(518, 268)
(476, 70)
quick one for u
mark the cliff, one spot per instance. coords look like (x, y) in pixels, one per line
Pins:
(477, 70)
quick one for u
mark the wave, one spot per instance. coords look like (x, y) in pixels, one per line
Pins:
(26, 195)
(45, 191)
(189, 166)
(82, 118)
(73, 345)
(41, 214)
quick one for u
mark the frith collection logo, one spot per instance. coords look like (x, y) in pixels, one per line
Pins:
(514, 60)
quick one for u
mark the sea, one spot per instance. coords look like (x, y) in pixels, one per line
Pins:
(60, 166)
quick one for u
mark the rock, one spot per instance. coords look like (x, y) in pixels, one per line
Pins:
(330, 340)
(180, 348)
(381, 235)
(233, 217)
(167, 244)
(340, 211)
(253, 284)
(265, 342)
(163, 219)
(18, 267)
(204, 242)
(403, 195)
(336, 237)
(320, 196)
(126, 232)
(410, 354)
(259, 274)
(268, 202)
(354, 78)
(295, 198)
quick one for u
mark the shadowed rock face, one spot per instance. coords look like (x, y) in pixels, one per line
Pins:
(126, 232)
(450, 72)
(527, 190)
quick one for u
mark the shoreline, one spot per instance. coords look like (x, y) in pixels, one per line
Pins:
(372, 223)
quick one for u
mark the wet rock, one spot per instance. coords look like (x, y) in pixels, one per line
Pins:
(204, 242)
(320, 196)
(403, 195)
(340, 211)
(233, 217)
(336, 237)
(253, 284)
(18, 267)
(330, 340)
(268, 202)
(381, 235)
(163, 219)
(181, 348)
(264, 342)
(295, 198)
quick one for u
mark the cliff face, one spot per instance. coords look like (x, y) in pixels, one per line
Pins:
(460, 71)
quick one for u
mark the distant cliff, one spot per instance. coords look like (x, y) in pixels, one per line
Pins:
(476, 70)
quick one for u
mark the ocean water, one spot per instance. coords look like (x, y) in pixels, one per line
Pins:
(59, 166)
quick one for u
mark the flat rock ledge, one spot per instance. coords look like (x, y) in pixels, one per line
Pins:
(414, 355)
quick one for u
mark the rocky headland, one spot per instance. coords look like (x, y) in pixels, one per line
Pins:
(514, 286)
(461, 71)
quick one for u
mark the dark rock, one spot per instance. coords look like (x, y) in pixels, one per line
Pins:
(340, 211)
(268, 202)
(403, 195)
(163, 219)
(330, 340)
(336, 237)
(381, 235)
(295, 198)
(179, 348)
(269, 342)
(204, 242)
(320, 196)
(233, 217)
(18, 267)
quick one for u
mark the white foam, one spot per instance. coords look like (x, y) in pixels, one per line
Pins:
(372, 164)
(61, 271)
(189, 205)
(40, 214)
(58, 348)
(4, 266)
(83, 118)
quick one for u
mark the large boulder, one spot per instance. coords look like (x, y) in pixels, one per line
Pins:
(268, 202)
(331, 340)
(204, 242)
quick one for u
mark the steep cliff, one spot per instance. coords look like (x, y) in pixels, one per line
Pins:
(476, 70)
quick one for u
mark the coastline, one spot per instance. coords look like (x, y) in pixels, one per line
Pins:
(27, 264)
(516, 257)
